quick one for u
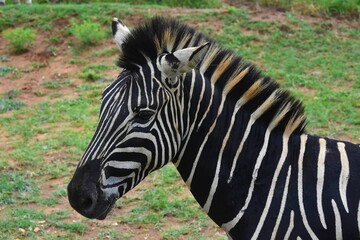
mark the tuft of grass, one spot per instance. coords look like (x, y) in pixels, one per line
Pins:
(4, 58)
(24, 218)
(88, 32)
(4, 70)
(93, 72)
(56, 217)
(106, 52)
(14, 187)
(20, 38)
(8, 104)
(56, 84)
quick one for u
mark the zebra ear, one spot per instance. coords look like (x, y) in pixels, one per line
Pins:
(119, 31)
(181, 61)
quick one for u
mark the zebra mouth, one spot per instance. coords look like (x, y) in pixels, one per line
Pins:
(103, 215)
(109, 206)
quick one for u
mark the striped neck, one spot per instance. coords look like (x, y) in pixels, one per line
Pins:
(225, 130)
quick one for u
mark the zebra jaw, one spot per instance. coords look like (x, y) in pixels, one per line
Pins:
(181, 61)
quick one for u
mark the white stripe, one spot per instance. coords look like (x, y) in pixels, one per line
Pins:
(116, 180)
(141, 71)
(291, 226)
(272, 187)
(282, 206)
(162, 145)
(344, 174)
(139, 97)
(303, 140)
(193, 80)
(338, 228)
(152, 76)
(123, 164)
(320, 180)
(209, 105)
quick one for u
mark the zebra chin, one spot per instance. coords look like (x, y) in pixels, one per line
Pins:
(85, 194)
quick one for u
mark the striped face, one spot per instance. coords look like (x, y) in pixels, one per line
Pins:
(128, 135)
(135, 124)
(139, 129)
(136, 128)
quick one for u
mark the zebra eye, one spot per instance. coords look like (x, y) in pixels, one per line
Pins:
(145, 114)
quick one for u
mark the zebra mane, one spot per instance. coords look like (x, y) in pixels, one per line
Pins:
(227, 71)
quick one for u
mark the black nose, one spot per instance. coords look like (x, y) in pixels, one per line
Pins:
(83, 198)
(83, 190)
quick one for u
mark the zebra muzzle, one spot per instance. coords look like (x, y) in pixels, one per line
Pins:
(85, 195)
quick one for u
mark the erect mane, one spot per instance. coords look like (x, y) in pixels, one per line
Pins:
(227, 71)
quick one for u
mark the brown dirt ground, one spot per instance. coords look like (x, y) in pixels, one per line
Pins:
(55, 66)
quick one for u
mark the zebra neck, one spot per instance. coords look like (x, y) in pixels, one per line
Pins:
(224, 147)
(222, 163)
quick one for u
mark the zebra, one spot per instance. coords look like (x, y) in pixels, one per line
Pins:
(2, 2)
(237, 139)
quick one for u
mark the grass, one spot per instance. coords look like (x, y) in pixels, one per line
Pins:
(9, 103)
(350, 8)
(20, 38)
(41, 142)
(93, 72)
(88, 32)
(169, 3)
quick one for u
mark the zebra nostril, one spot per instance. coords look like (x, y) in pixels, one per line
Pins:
(88, 203)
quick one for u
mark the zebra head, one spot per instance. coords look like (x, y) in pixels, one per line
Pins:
(140, 123)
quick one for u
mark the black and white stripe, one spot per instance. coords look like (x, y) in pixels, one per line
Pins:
(236, 138)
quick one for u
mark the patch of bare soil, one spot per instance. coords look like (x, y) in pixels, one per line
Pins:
(33, 69)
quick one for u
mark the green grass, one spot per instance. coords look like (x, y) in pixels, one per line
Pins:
(316, 61)
(15, 188)
(350, 8)
(56, 84)
(170, 3)
(10, 104)
(4, 70)
(20, 38)
(93, 72)
(88, 32)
